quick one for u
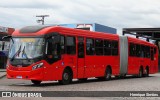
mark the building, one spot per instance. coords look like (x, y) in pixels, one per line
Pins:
(92, 27)
(4, 45)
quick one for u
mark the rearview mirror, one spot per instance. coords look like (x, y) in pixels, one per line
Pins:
(6, 37)
(3, 44)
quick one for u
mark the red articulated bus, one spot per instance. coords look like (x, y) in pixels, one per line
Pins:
(47, 53)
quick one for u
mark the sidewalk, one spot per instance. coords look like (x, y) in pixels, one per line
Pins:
(2, 73)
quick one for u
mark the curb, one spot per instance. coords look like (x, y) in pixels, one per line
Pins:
(2, 70)
(2, 76)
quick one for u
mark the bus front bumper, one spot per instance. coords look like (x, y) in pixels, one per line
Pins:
(28, 75)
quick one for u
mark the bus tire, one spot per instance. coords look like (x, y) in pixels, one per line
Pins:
(66, 77)
(36, 82)
(147, 72)
(140, 74)
(108, 73)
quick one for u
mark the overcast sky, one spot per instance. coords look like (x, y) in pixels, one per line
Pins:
(115, 13)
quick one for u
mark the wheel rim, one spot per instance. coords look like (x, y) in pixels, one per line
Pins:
(147, 72)
(140, 73)
(108, 74)
(66, 76)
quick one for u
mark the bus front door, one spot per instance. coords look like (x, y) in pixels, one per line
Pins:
(81, 58)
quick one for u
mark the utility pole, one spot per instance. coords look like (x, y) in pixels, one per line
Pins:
(42, 18)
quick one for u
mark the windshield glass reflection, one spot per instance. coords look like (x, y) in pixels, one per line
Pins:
(26, 48)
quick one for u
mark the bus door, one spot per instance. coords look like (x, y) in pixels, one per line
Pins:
(142, 55)
(132, 60)
(81, 57)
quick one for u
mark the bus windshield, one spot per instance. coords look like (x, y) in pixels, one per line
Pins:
(26, 48)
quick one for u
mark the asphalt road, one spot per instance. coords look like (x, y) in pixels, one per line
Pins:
(130, 83)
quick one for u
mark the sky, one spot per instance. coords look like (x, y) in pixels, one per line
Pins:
(114, 13)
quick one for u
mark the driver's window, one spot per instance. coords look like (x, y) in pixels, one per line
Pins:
(53, 50)
(50, 46)
(62, 44)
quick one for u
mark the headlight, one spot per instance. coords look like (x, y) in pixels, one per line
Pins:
(37, 66)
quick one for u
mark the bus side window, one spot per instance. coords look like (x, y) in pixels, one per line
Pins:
(138, 52)
(107, 47)
(148, 52)
(62, 44)
(132, 49)
(99, 47)
(114, 47)
(90, 46)
(71, 45)
(143, 51)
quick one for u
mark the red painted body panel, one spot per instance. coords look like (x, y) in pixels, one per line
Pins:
(134, 63)
(25, 73)
(90, 66)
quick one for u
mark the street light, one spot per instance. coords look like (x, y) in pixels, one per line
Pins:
(42, 18)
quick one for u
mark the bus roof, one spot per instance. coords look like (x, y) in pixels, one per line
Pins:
(43, 30)
(139, 41)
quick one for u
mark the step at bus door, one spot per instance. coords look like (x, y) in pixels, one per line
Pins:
(81, 57)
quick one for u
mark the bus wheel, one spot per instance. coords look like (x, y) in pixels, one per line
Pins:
(66, 77)
(107, 74)
(140, 73)
(82, 79)
(147, 72)
(35, 82)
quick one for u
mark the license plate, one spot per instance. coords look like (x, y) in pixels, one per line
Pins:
(19, 77)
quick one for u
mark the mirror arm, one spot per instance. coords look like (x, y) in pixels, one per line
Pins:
(9, 36)
(12, 40)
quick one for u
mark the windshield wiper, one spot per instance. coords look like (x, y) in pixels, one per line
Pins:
(24, 52)
(19, 50)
